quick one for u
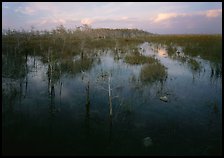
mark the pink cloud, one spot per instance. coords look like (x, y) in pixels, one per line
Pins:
(213, 13)
(208, 21)
(86, 21)
(168, 16)
(165, 16)
(124, 18)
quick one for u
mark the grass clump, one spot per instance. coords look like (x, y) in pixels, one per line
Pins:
(137, 58)
(153, 72)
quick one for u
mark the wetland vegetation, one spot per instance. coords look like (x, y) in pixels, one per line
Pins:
(88, 91)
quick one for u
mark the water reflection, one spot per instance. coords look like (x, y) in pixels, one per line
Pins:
(110, 130)
(52, 108)
(162, 53)
(216, 71)
(53, 74)
(87, 117)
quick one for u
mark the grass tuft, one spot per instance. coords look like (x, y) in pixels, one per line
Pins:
(153, 72)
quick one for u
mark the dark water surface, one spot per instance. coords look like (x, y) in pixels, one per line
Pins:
(69, 115)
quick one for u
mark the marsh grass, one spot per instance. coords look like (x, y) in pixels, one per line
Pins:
(100, 43)
(74, 67)
(137, 58)
(209, 47)
(194, 65)
(153, 72)
(171, 50)
(72, 41)
(183, 59)
(65, 44)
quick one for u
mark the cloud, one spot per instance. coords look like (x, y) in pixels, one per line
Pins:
(26, 10)
(213, 13)
(165, 16)
(208, 21)
(124, 18)
(50, 22)
(121, 22)
(86, 21)
(37, 7)
(169, 16)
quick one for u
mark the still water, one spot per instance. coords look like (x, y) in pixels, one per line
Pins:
(70, 115)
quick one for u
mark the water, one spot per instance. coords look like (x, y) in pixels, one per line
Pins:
(69, 115)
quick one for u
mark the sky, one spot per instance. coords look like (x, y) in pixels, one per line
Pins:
(154, 17)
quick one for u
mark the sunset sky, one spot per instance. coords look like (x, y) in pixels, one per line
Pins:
(155, 17)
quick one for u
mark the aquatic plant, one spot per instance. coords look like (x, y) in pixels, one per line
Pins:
(153, 72)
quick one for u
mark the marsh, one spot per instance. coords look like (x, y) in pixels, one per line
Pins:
(55, 93)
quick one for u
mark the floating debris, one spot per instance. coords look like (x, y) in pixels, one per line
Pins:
(147, 142)
(164, 98)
